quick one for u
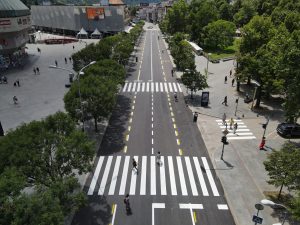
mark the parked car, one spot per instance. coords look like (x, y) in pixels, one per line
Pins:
(289, 129)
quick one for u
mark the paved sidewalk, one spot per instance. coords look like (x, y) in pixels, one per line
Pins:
(241, 171)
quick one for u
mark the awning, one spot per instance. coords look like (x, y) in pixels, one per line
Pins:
(82, 32)
(127, 29)
(96, 32)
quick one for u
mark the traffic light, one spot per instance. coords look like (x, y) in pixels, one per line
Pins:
(264, 126)
(224, 140)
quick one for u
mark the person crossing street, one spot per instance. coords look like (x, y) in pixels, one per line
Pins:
(134, 165)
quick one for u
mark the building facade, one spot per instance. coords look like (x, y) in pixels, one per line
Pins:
(15, 24)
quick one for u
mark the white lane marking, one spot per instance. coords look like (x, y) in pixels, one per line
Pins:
(166, 87)
(240, 134)
(163, 177)
(210, 177)
(200, 177)
(115, 176)
(222, 206)
(170, 87)
(161, 87)
(96, 175)
(105, 176)
(124, 176)
(153, 176)
(238, 130)
(156, 87)
(143, 176)
(179, 88)
(172, 176)
(228, 121)
(151, 58)
(239, 123)
(152, 86)
(174, 86)
(147, 89)
(134, 86)
(138, 87)
(239, 126)
(156, 206)
(133, 178)
(190, 206)
(125, 86)
(143, 87)
(129, 87)
(191, 176)
(181, 176)
(239, 138)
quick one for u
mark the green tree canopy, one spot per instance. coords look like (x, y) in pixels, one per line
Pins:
(194, 80)
(283, 167)
(218, 34)
(177, 17)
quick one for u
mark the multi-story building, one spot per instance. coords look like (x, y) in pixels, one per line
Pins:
(15, 24)
(154, 12)
(108, 17)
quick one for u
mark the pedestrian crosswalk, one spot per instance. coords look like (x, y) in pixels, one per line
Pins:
(171, 176)
(151, 87)
(242, 131)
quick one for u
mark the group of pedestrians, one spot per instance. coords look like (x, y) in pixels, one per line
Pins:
(36, 70)
(225, 82)
(232, 124)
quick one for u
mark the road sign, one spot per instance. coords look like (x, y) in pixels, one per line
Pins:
(257, 219)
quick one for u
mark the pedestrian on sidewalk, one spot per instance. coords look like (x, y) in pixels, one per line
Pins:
(56, 63)
(195, 117)
(225, 101)
(15, 84)
(230, 72)
(18, 82)
(172, 72)
(262, 144)
(158, 161)
(162, 51)
(15, 99)
(134, 165)
(38, 70)
(225, 80)
(73, 47)
(34, 70)
(66, 61)
(39, 50)
(224, 118)
(235, 127)
(232, 82)
(231, 123)
(70, 59)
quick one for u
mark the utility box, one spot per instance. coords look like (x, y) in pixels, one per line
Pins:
(205, 98)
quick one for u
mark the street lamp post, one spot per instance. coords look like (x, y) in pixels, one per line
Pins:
(208, 54)
(271, 203)
(78, 80)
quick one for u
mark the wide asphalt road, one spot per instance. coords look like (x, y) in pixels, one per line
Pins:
(180, 188)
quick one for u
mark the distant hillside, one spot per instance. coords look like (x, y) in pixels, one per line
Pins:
(84, 2)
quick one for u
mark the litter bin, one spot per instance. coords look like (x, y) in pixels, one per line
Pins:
(195, 117)
(205, 98)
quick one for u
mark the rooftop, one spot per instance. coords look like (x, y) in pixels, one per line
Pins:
(13, 8)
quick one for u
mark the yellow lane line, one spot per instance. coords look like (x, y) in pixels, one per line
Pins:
(127, 137)
(178, 141)
(129, 128)
(176, 133)
(180, 152)
(174, 125)
(125, 149)
(195, 217)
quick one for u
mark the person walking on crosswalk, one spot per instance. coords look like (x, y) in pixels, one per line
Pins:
(231, 123)
(158, 156)
(224, 118)
(235, 127)
(134, 165)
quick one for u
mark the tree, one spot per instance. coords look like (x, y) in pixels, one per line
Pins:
(245, 13)
(177, 17)
(202, 12)
(283, 167)
(194, 81)
(295, 207)
(107, 68)
(183, 56)
(46, 151)
(99, 94)
(218, 34)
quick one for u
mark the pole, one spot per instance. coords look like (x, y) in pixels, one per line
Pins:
(80, 100)
(253, 97)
